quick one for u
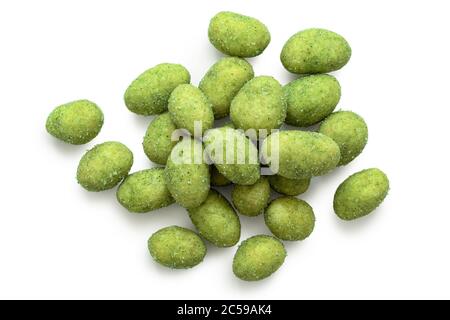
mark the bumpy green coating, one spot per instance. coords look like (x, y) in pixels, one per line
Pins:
(227, 143)
(360, 194)
(223, 81)
(216, 220)
(144, 191)
(290, 219)
(188, 104)
(186, 174)
(218, 179)
(290, 187)
(76, 122)
(157, 142)
(149, 93)
(177, 247)
(315, 51)
(104, 166)
(251, 200)
(349, 131)
(260, 104)
(302, 154)
(238, 35)
(310, 99)
(258, 257)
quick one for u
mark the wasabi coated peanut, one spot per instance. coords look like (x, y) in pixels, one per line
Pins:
(302, 154)
(289, 187)
(76, 122)
(360, 194)
(258, 257)
(158, 142)
(251, 200)
(223, 81)
(149, 93)
(223, 144)
(188, 104)
(290, 219)
(186, 174)
(238, 35)
(349, 131)
(310, 99)
(216, 220)
(315, 51)
(176, 247)
(104, 166)
(218, 179)
(144, 191)
(259, 104)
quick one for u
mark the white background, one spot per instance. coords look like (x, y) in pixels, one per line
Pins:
(60, 241)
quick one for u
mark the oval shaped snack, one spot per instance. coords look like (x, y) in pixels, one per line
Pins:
(187, 174)
(76, 122)
(238, 35)
(216, 220)
(360, 194)
(289, 187)
(104, 166)
(188, 104)
(311, 99)
(218, 179)
(301, 154)
(144, 191)
(290, 219)
(233, 154)
(158, 142)
(349, 131)
(260, 104)
(251, 200)
(315, 51)
(258, 257)
(149, 93)
(223, 81)
(176, 247)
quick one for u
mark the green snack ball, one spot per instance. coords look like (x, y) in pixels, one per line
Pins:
(311, 99)
(223, 81)
(260, 104)
(218, 179)
(186, 174)
(238, 35)
(76, 122)
(104, 166)
(144, 191)
(227, 143)
(177, 247)
(302, 154)
(158, 142)
(315, 51)
(349, 131)
(188, 104)
(289, 187)
(290, 219)
(216, 220)
(258, 257)
(149, 93)
(360, 194)
(251, 200)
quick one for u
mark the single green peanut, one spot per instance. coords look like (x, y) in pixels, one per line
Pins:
(158, 142)
(289, 187)
(251, 200)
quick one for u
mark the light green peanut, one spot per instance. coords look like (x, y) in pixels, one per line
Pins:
(176, 247)
(216, 220)
(104, 166)
(289, 187)
(76, 122)
(158, 142)
(360, 194)
(144, 191)
(251, 200)
(149, 93)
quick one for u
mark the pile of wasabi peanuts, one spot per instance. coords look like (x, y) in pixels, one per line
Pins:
(230, 89)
